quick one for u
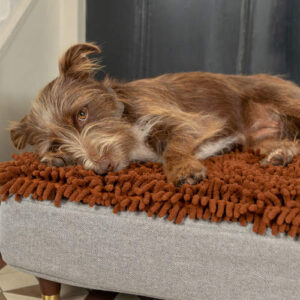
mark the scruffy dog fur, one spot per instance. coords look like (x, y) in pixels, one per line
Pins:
(178, 119)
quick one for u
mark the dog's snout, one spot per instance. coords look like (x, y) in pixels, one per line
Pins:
(103, 165)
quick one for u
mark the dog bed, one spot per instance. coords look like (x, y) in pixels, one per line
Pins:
(237, 189)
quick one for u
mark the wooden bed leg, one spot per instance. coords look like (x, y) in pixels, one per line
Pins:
(49, 289)
(2, 262)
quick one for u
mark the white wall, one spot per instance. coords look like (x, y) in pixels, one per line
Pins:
(28, 60)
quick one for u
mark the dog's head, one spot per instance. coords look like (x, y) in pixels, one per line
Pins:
(76, 119)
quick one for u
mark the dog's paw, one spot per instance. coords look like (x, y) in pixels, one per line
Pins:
(189, 171)
(53, 161)
(56, 160)
(279, 157)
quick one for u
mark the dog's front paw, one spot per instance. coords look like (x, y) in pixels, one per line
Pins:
(188, 171)
(279, 157)
(55, 160)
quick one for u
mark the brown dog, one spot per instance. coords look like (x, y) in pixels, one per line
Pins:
(178, 119)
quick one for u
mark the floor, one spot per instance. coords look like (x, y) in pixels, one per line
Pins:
(16, 285)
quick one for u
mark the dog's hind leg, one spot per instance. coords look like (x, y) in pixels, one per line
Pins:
(273, 113)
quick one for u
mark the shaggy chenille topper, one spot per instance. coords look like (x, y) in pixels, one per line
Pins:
(238, 188)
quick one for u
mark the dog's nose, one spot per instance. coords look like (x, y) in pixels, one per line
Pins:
(103, 165)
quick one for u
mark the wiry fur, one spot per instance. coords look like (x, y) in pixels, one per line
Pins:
(178, 119)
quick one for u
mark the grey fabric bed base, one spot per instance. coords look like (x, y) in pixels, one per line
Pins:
(131, 253)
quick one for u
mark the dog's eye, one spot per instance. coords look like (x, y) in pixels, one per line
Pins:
(82, 114)
(54, 147)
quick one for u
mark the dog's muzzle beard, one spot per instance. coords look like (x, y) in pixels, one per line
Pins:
(100, 164)
(99, 147)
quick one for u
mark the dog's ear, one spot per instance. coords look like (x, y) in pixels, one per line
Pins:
(120, 109)
(19, 133)
(75, 63)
